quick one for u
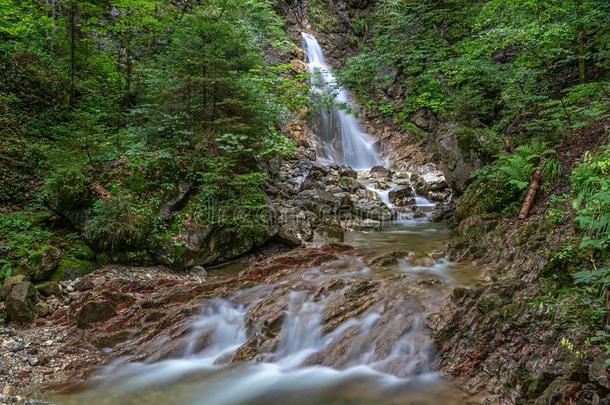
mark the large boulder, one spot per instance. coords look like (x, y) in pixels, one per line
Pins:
(295, 225)
(20, 302)
(458, 163)
(433, 179)
(349, 184)
(346, 171)
(208, 245)
(381, 172)
(327, 235)
(373, 209)
(317, 201)
(70, 269)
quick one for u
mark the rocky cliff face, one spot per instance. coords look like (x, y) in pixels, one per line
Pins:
(499, 337)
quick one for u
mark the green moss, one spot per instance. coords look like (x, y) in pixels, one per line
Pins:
(486, 305)
(72, 268)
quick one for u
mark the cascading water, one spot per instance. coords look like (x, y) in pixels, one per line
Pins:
(380, 353)
(340, 332)
(341, 138)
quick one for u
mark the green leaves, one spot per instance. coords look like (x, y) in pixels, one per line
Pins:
(591, 191)
(505, 181)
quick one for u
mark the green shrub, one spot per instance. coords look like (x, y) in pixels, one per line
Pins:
(591, 191)
(120, 223)
(68, 188)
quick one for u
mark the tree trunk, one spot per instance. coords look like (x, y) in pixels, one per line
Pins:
(580, 40)
(72, 51)
(531, 193)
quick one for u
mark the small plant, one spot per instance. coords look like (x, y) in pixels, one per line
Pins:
(556, 213)
(591, 191)
(119, 223)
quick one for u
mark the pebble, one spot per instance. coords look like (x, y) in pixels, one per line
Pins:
(17, 347)
(33, 361)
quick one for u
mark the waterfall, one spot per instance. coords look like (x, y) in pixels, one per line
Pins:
(341, 138)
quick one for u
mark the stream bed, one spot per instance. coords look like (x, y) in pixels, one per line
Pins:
(351, 330)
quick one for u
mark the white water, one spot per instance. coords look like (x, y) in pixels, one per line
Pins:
(342, 139)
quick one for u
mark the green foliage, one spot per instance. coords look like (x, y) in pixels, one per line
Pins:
(513, 71)
(591, 190)
(22, 232)
(556, 212)
(111, 108)
(504, 183)
(68, 188)
(120, 223)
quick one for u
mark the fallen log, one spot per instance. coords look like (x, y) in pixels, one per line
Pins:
(531, 193)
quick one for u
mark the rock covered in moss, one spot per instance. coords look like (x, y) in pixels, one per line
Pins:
(71, 268)
(42, 263)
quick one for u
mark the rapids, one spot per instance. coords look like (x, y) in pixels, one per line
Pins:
(349, 330)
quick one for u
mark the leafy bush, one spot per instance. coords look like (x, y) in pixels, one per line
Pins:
(591, 190)
(68, 188)
(120, 223)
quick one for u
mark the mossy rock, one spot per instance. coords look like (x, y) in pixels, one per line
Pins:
(72, 268)
(42, 263)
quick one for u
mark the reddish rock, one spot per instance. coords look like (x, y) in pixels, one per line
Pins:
(94, 311)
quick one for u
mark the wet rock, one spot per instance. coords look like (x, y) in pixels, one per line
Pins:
(327, 235)
(346, 171)
(84, 284)
(41, 309)
(438, 196)
(433, 179)
(317, 201)
(200, 269)
(94, 311)
(349, 184)
(381, 172)
(367, 225)
(49, 288)
(401, 196)
(20, 302)
(372, 209)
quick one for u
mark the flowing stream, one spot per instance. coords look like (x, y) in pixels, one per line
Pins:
(382, 355)
(350, 330)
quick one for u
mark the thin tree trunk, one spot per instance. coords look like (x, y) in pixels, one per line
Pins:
(580, 38)
(531, 193)
(72, 51)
